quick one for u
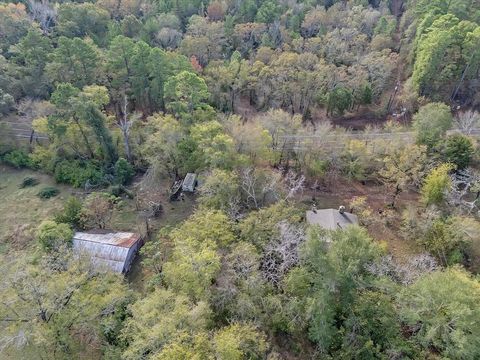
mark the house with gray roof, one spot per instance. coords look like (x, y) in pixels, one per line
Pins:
(114, 250)
(331, 219)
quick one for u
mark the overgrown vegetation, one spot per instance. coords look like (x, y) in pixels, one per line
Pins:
(111, 101)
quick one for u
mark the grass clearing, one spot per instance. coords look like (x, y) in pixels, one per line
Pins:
(21, 210)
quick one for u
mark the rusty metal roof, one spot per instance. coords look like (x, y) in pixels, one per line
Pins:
(123, 239)
(106, 248)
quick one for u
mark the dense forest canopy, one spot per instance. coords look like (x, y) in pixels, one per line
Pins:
(279, 107)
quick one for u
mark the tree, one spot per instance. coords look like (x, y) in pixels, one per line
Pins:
(467, 121)
(14, 24)
(372, 328)
(162, 149)
(97, 121)
(125, 123)
(119, 58)
(216, 147)
(6, 102)
(262, 225)
(206, 226)
(339, 100)
(74, 61)
(43, 13)
(70, 213)
(31, 54)
(268, 12)
(458, 150)
(332, 268)
(162, 318)
(123, 171)
(204, 40)
(82, 108)
(195, 262)
(81, 20)
(221, 191)
(239, 342)
(431, 123)
(441, 311)
(97, 210)
(119, 9)
(280, 125)
(51, 235)
(185, 93)
(436, 185)
(447, 239)
(446, 54)
(404, 167)
(57, 305)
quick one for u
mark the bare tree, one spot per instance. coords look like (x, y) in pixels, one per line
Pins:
(464, 192)
(43, 13)
(467, 121)
(124, 123)
(259, 188)
(249, 185)
(405, 273)
(294, 184)
(281, 254)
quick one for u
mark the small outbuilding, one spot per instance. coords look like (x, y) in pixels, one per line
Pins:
(115, 250)
(190, 182)
(331, 219)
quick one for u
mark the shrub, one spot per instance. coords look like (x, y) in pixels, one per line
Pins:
(77, 173)
(48, 192)
(43, 158)
(459, 150)
(97, 210)
(71, 212)
(51, 235)
(17, 158)
(119, 190)
(28, 182)
(431, 122)
(123, 171)
(436, 184)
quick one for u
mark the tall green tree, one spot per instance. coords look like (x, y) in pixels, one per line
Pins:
(74, 61)
(31, 54)
(184, 93)
(441, 311)
(431, 122)
(81, 20)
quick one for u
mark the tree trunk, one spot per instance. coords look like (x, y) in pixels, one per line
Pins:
(85, 139)
(126, 143)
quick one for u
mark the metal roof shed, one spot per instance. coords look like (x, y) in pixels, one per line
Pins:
(331, 219)
(190, 182)
(115, 250)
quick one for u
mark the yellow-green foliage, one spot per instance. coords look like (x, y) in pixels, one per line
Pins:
(436, 184)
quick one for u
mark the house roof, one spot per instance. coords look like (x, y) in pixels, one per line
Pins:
(331, 219)
(106, 248)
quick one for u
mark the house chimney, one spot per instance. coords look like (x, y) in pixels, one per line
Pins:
(341, 209)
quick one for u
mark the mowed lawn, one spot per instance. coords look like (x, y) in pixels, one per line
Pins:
(22, 208)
